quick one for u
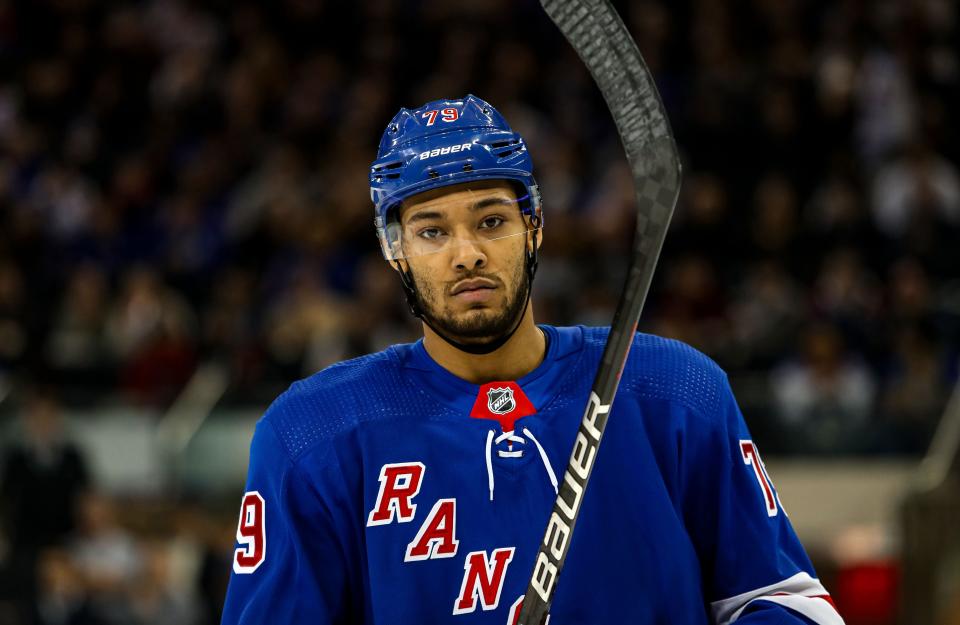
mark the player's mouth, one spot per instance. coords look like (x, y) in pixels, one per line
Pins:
(474, 290)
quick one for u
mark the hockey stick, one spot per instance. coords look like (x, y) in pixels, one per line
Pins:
(601, 40)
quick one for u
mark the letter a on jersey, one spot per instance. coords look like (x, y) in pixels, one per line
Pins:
(437, 537)
(483, 578)
(399, 484)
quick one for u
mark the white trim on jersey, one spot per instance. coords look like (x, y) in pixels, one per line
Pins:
(801, 593)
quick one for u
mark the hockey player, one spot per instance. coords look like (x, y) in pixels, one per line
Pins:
(413, 486)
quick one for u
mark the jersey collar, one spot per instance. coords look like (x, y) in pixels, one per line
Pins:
(540, 385)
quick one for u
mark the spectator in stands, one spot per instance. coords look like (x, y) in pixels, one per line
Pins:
(42, 479)
(848, 294)
(910, 294)
(766, 313)
(43, 476)
(920, 186)
(306, 328)
(13, 317)
(61, 596)
(704, 223)
(693, 307)
(211, 581)
(837, 215)
(76, 346)
(106, 558)
(230, 329)
(915, 390)
(154, 597)
(916, 204)
(775, 229)
(824, 398)
(151, 328)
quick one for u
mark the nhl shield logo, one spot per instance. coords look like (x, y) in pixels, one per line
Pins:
(500, 400)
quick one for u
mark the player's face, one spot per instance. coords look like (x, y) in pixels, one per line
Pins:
(466, 250)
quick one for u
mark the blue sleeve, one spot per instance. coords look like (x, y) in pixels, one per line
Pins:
(754, 568)
(290, 564)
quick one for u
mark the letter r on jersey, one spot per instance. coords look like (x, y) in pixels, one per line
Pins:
(483, 578)
(399, 484)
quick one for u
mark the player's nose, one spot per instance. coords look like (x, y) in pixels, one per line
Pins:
(468, 255)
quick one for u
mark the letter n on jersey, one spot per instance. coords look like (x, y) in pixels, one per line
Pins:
(483, 579)
(399, 484)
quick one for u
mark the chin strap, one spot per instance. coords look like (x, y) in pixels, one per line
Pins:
(410, 290)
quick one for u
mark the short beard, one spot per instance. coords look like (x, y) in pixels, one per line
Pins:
(477, 329)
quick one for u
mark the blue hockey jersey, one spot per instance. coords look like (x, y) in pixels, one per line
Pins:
(385, 490)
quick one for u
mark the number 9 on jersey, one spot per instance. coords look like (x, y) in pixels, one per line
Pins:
(251, 534)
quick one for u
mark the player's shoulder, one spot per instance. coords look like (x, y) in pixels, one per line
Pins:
(334, 400)
(667, 369)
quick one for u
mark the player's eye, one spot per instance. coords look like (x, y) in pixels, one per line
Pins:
(492, 221)
(430, 234)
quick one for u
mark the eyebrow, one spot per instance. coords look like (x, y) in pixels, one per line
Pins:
(479, 205)
(424, 216)
(490, 201)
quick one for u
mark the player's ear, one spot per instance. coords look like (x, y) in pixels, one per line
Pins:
(400, 265)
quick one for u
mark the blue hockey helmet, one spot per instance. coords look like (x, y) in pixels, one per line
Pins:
(442, 143)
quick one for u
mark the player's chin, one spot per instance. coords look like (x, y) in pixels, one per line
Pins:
(478, 322)
(475, 316)
(490, 304)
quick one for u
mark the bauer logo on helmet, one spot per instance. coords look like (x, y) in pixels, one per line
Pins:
(450, 149)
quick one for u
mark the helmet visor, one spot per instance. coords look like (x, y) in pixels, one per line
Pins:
(448, 226)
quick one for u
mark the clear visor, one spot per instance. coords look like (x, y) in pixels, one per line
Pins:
(446, 225)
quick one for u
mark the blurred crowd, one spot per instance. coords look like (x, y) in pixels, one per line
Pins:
(185, 182)
(72, 555)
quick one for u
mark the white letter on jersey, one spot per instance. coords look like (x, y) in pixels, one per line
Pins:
(483, 579)
(437, 537)
(752, 457)
(399, 484)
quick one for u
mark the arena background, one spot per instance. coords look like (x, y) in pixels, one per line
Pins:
(185, 228)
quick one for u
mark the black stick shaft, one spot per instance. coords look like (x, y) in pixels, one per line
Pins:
(600, 38)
